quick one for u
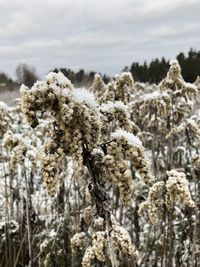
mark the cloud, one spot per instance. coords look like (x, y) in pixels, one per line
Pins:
(97, 35)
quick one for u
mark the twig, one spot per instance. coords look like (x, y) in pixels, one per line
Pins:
(28, 221)
(18, 253)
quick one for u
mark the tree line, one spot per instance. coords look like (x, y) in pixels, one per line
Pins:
(80, 78)
(157, 69)
(27, 75)
(153, 72)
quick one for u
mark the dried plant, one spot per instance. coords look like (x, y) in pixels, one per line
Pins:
(119, 165)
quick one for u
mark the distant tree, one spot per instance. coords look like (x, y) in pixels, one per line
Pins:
(190, 65)
(81, 77)
(157, 69)
(6, 83)
(3, 78)
(181, 57)
(106, 78)
(125, 69)
(26, 74)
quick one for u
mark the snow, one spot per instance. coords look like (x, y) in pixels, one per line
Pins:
(109, 106)
(190, 85)
(39, 85)
(59, 79)
(65, 92)
(23, 89)
(83, 95)
(106, 107)
(52, 233)
(126, 74)
(131, 138)
(153, 95)
(120, 105)
(31, 152)
(173, 61)
(3, 106)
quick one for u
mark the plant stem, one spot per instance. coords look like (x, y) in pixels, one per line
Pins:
(28, 220)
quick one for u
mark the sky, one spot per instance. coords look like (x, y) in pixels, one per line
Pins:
(99, 35)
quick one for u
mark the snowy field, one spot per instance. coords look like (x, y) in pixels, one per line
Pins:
(101, 176)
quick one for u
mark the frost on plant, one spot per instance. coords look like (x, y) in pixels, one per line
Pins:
(120, 169)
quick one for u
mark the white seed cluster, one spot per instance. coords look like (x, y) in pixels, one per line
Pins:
(154, 202)
(116, 115)
(109, 94)
(97, 250)
(88, 257)
(78, 241)
(122, 242)
(176, 130)
(190, 127)
(119, 90)
(58, 96)
(81, 124)
(170, 103)
(76, 116)
(31, 155)
(99, 224)
(44, 245)
(104, 244)
(116, 169)
(131, 148)
(174, 79)
(124, 87)
(51, 158)
(156, 103)
(39, 98)
(177, 190)
(4, 119)
(124, 150)
(175, 82)
(98, 86)
(17, 148)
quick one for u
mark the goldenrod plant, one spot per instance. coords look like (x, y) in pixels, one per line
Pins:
(101, 176)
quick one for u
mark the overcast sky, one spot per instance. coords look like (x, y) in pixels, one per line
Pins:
(99, 35)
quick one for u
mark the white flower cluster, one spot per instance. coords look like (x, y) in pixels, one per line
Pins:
(119, 90)
(154, 202)
(125, 149)
(78, 241)
(100, 247)
(5, 121)
(98, 86)
(66, 105)
(190, 127)
(76, 115)
(177, 190)
(131, 149)
(118, 114)
(176, 83)
(174, 79)
(17, 148)
(156, 103)
(97, 250)
(122, 242)
(124, 87)
(51, 158)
